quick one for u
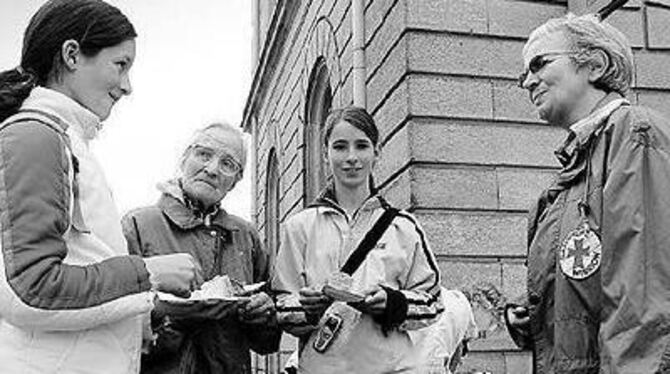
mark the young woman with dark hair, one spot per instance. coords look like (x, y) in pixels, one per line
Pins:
(71, 298)
(395, 289)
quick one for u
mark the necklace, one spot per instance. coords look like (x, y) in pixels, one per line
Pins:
(581, 252)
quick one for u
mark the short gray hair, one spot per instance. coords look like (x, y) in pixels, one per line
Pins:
(223, 127)
(586, 34)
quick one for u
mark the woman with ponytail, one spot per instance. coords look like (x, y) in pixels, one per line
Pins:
(71, 298)
(354, 305)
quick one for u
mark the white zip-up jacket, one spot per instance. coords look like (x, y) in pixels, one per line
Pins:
(316, 243)
(71, 298)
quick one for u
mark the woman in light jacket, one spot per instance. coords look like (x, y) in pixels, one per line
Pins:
(71, 298)
(398, 279)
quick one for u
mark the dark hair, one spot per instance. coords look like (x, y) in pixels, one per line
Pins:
(357, 117)
(94, 24)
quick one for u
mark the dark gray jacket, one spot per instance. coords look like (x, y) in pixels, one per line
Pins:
(223, 245)
(617, 319)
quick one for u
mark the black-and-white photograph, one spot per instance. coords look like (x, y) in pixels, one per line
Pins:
(399, 186)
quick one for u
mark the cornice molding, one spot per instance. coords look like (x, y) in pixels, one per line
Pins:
(275, 38)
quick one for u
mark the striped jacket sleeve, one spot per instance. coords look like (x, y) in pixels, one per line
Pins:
(288, 278)
(37, 289)
(421, 288)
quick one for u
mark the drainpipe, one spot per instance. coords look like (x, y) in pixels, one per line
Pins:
(254, 171)
(255, 53)
(358, 40)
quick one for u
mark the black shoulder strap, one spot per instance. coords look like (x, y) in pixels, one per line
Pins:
(369, 241)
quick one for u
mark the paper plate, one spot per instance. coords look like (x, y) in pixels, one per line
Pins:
(170, 298)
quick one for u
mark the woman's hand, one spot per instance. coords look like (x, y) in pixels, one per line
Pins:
(374, 303)
(517, 316)
(314, 302)
(259, 310)
(177, 273)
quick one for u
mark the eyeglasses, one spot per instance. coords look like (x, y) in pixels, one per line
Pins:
(227, 164)
(538, 63)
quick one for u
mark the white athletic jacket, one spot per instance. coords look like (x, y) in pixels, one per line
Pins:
(70, 297)
(316, 243)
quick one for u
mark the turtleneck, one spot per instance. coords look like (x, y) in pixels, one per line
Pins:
(83, 121)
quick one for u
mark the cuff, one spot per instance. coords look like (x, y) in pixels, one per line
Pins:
(521, 337)
(395, 312)
(142, 273)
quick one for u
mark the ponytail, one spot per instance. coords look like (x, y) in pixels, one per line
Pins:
(94, 24)
(15, 86)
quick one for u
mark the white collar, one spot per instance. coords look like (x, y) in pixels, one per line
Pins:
(586, 126)
(82, 120)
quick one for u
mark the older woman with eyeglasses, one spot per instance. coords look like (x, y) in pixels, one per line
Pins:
(212, 336)
(598, 298)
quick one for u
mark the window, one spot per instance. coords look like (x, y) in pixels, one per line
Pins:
(319, 102)
(270, 363)
(272, 204)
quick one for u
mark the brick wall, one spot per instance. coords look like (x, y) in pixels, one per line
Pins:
(463, 148)
(314, 29)
(317, 28)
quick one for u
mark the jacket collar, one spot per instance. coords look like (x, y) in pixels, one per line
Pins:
(82, 120)
(328, 199)
(583, 131)
(173, 203)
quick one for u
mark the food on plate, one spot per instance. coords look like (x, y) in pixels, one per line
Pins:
(220, 287)
(338, 286)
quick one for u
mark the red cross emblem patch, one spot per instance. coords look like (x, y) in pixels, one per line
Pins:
(581, 253)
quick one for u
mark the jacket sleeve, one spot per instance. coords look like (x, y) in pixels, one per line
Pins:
(38, 290)
(161, 339)
(288, 278)
(520, 335)
(263, 339)
(421, 288)
(636, 245)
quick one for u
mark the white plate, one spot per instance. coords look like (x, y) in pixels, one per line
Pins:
(254, 287)
(170, 298)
